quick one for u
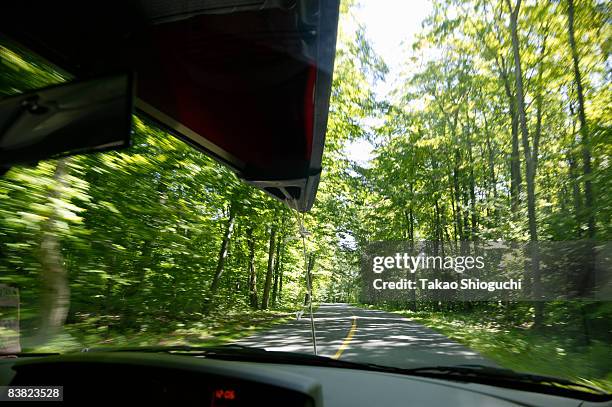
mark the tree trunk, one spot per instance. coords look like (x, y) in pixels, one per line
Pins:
(280, 282)
(279, 246)
(268, 283)
(453, 205)
(411, 214)
(515, 163)
(222, 252)
(576, 197)
(472, 187)
(457, 193)
(584, 130)
(252, 274)
(529, 164)
(589, 198)
(465, 206)
(436, 229)
(491, 159)
(309, 267)
(55, 291)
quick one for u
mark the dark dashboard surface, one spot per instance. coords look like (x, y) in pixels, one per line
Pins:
(108, 382)
(166, 379)
(151, 379)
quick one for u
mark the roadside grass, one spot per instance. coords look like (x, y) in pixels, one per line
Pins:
(523, 349)
(200, 330)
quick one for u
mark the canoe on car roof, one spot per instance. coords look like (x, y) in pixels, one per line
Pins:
(246, 81)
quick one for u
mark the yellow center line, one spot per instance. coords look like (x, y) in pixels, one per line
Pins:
(347, 340)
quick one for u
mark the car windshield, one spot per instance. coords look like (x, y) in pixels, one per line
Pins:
(462, 215)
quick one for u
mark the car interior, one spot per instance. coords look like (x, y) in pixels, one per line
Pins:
(248, 83)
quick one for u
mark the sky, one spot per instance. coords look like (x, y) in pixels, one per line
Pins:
(388, 24)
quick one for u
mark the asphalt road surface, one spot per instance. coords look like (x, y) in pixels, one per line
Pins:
(367, 336)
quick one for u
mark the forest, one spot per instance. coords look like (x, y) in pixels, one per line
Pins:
(499, 130)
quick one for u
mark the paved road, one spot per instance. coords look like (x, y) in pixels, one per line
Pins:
(368, 336)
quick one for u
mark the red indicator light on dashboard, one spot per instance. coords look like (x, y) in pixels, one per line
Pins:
(225, 394)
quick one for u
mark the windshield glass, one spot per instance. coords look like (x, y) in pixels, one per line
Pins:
(458, 131)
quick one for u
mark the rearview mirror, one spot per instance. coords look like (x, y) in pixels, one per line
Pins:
(66, 119)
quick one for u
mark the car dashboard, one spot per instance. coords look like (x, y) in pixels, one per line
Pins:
(166, 379)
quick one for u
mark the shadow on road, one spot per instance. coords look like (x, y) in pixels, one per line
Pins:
(381, 337)
(332, 321)
(388, 339)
